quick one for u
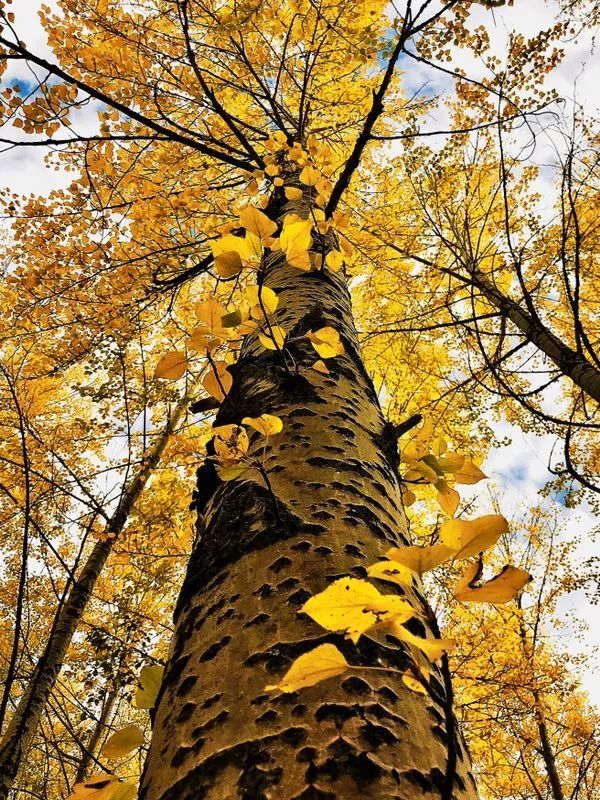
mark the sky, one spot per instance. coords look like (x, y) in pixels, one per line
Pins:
(518, 471)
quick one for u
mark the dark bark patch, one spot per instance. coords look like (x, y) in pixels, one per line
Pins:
(212, 651)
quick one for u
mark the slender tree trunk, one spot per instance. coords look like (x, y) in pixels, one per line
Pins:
(21, 730)
(572, 364)
(90, 749)
(330, 507)
(546, 749)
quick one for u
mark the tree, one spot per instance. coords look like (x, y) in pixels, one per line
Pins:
(212, 211)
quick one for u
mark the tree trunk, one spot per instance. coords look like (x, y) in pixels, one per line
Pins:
(25, 721)
(89, 751)
(330, 507)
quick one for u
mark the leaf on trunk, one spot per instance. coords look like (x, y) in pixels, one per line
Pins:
(267, 424)
(433, 648)
(326, 342)
(391, 571)
(150, 679)
(311, 668)
(230, 443)
(273, 338)
(355, 606)
(254, 221)
(413, 684)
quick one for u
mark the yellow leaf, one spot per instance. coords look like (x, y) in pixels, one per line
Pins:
(295, 241)
(232, 471)
(272, 338)
(309, 175)
(267, 424)
(124, 791)
(451, 462)
(392, 572)
(447, 497)
(150, 680)
(323, 662)
(320, 366)
(254, 221)
(172, 365)
(261, 297)
(292, 193)
(218, 381)
(408, 497)
(326, 342)
(230, 443)
(210, 312)
(355, 606)
(469, 473)
(228, 264)
(231, 244)
(502, 588)
(98, 787)
(334, 260)
(433, 648)
(413, 684)
(420, 559)
(470, 537)
(123, 742)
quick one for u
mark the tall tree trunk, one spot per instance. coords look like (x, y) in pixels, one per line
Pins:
(20, 732)
(330, 507)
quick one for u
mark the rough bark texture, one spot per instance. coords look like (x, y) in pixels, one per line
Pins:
(332, 508)
(22, 728)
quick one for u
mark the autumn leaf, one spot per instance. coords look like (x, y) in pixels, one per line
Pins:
(433, 648)
(469, 473)
(172, 365)
(267, 424)
(502, 588)
(321, 367)
(293, 193)
(230, 442)
(150, 679)
(326, 341)
(311, 668)
(123, 742)
(447, 497)
(262, 297)
(471, 537)
(413, 684)
(309, 175)
(218, 381)
(391, 571)
(421, 559)
(295, 240)
(273, 338)
(104, 786)
(254, 221)
(355, 606)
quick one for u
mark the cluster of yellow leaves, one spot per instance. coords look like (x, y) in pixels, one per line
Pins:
(355, 607)
(428, 462)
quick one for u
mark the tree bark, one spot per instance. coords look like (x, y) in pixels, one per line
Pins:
(330, 507)
(20, 732)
